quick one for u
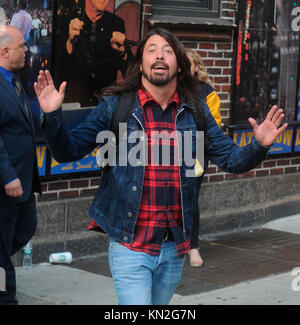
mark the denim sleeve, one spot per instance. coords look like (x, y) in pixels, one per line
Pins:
(66, 146)
(231, 158)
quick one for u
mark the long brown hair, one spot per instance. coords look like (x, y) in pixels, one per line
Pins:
(187, 85)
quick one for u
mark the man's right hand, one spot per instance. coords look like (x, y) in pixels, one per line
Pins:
(14, 188)
(75, 28)
(49, 98)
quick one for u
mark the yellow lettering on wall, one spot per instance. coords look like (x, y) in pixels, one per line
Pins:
(40, 153)
(279, 138)
(235, 135)
(243, 139)
(94, 152)
(54, 163)
(297, 143)
(287, 137)
(250, 135)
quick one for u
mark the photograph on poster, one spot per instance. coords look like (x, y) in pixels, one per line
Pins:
(34, 20)
(267, 59)
(94, 43)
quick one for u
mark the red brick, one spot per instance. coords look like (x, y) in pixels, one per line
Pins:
(68, 194)
(267, 164)
(95, 181)
(221, 80)
(227, 71)
(212, 71)
(216, 178)
(229, 177)
(47, 197)
(226, 89)
(276, 171)
(224, 46)
(247, 174)
(58, 186)
(208, 46)
(222, 63)
(260, 173)
(284, 162)
(211, 170)
(215, 54)
(208, 63)
(88, 192)
(79, 183)
(295, 161)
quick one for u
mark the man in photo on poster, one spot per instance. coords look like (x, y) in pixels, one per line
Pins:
(91, 49)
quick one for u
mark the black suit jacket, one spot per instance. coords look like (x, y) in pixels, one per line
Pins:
(17, 143)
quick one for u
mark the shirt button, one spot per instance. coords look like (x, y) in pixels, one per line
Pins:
(134, 188)
(125, 238)
(129, 215)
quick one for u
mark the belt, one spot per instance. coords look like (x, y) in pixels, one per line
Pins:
(168, 235)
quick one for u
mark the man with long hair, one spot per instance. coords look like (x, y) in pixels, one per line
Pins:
(147, 209)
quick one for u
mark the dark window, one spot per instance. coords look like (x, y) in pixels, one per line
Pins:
(191, 8)
(267, 59)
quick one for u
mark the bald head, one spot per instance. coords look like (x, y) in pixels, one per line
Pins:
(7, 34)
(12, 48)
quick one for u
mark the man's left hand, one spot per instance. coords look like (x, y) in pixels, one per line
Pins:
(267, 132)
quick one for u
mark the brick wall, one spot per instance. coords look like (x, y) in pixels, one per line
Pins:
(87, 186)
(63, 189)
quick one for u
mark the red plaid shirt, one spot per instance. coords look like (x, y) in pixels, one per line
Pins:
(160, 206)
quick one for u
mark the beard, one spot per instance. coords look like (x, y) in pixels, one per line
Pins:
(157, 80)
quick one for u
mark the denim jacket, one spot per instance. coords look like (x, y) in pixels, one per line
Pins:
(116, 204)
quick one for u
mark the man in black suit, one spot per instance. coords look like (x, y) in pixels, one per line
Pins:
(18, 164)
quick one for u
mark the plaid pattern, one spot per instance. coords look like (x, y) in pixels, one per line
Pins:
(160, 206)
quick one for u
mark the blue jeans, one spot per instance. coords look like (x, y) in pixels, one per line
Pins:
(144, 279)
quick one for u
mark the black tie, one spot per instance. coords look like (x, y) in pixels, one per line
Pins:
(18, 89)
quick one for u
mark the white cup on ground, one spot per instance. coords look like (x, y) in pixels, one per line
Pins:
(64, 258)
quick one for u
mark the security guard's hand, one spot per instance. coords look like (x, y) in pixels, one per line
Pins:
(14, 188)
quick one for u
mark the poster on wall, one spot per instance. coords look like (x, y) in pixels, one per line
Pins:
(41, 154)
(86, 164)
(94, 43)
(34, 20)
(283, 143)
(267, 59)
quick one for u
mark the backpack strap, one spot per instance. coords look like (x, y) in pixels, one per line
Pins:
(199, 117)
(121, 113)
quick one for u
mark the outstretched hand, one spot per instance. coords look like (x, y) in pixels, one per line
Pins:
(267, 132)
(49, 98)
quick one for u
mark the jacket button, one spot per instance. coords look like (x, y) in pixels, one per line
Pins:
(125, 238)
(129, 214)
(134, 188)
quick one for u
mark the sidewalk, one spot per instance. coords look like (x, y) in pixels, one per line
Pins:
(251, 266)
